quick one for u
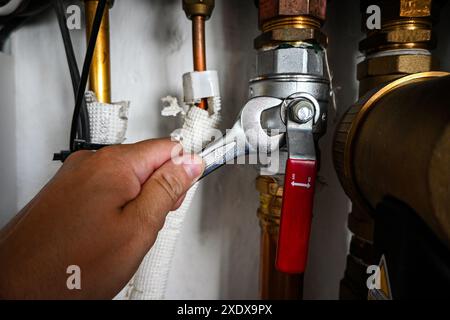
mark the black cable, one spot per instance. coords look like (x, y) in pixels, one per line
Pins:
(83, 128)
(85, 74)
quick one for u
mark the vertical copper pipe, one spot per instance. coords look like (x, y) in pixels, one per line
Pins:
(199, 48)
(198, 43)
(100, 72)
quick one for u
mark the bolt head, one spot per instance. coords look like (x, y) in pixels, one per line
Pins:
(303, 111)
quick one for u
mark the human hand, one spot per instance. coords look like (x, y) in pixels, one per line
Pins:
(101, 212)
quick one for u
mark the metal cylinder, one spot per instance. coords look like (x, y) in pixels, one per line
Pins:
(198, 43)
(396, 143)
(100, 71)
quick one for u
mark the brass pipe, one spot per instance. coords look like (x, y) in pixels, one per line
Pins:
(274, 285)
(100, 71)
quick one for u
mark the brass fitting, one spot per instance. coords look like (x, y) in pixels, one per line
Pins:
(402, 10)
(405, 24)
(274, 9)
(394, 56)
(273, 284)
(290, 35)
(410, 35)
(395, 64)
(368, 83)
(202, 8)
(291, 21)
(414, 113)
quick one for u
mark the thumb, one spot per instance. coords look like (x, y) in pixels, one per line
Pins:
(163, 190)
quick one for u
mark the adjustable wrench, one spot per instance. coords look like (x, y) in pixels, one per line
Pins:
(245, 137)
(289, 121)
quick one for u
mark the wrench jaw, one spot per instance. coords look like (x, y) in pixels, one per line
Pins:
(259, 140)
(247, 136)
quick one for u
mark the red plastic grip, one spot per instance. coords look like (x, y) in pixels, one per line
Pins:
(296, 215)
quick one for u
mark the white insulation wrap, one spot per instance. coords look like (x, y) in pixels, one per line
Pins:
(108, 122)
(150, 281)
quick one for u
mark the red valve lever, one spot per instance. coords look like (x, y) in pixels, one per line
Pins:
(296, 215)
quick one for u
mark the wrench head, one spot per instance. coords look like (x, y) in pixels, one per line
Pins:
(258, 138)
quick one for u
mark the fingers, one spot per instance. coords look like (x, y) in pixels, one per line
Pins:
(162, 192)
(146, 156)
(178, 203)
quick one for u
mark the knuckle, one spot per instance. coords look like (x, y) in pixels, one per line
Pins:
(120, 173)
(77, 157)
(171, 184)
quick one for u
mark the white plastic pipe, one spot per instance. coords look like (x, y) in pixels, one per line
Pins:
(10, 7)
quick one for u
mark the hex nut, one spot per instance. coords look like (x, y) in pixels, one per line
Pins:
(420, 37)
(402, 9)
(270, 9)
(290, 60)
(394, 65)
(278, 36)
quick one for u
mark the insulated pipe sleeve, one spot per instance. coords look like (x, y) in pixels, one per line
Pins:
(199, 126)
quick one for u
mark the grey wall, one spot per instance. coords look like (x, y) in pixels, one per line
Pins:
(8, 177)
(217, 255)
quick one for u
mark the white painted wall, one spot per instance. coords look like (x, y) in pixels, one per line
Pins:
(218, 253)
(8, 177)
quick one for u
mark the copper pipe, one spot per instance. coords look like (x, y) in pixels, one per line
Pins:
(198, 43)
(100, 72)
(199, 48)
(274, 285)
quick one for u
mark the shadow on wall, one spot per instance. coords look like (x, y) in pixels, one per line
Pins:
(443, 48)
(168, 38)
(329, 237)
(232, 197)
(8, 177)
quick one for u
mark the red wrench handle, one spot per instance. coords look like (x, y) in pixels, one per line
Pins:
(296, 215)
